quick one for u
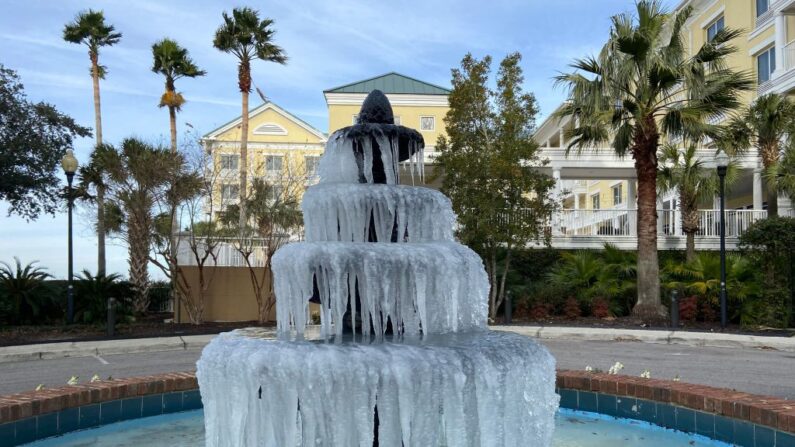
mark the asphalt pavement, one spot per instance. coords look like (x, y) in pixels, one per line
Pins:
(759, 371)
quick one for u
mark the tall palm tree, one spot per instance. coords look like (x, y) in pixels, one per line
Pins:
(173, 62)
(247, 37)
(89, 28)
(685, 172)
(642, 87)
(766, 124)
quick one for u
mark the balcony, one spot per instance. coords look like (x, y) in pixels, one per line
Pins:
(593, 228)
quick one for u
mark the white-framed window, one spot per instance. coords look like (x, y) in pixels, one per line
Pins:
(273, 163)
(762, 6)
(618, 194)
(427, 123)
(230, 192)
(310, 164)
(270, 129)
(229, 161)
(275, 193)
(714, 28)
(595, 202)
(766, 64)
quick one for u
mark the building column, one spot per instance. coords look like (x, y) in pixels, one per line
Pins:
(562, 137)
(781, 41)
(632, 204)
(758, 189)
(557, 193)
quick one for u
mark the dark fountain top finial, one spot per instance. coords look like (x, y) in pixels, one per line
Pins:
(376, 109)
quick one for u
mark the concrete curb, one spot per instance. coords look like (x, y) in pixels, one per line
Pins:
(707, 339)
(47, 351)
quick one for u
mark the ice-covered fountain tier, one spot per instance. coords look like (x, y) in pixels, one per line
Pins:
(421, 368)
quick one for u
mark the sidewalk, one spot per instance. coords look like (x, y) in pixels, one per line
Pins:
(129, 346)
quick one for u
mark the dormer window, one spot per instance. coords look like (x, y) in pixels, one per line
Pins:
(270, 129)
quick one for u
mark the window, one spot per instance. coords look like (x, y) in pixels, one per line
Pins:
(270, 129)
(766, 64)
(354, 119)
(310, 165)
(618, 194)
(397, 120)
(427, 123)
(715, 28)
(229, 192)
(273, 163)
(762, 7)
(229, 161)
(595, 201)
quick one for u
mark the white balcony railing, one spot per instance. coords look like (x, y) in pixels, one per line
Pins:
(617, 222)
(789, 56)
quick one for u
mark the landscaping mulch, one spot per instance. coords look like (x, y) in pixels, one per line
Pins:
(152, 325)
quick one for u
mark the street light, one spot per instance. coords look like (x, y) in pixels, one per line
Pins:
(722, 162)
(69, 165)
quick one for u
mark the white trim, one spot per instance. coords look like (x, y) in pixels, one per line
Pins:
(762, 46)
(761, 28)
(433, 117)
(281, 131)
(712, 18)
(394, 99)
(267, 106)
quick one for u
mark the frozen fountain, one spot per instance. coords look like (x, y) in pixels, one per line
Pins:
(417, 365)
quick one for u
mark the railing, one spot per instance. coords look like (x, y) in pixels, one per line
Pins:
(223, 251)
(618, 222)
(789, 56)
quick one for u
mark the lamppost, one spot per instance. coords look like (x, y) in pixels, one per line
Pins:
(722, 162)
(69, 165)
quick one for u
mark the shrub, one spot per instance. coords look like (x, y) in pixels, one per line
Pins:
(540, 311)
(24, 292)
(92, 294)
(688, 308)
(600, 308)
(571, 309)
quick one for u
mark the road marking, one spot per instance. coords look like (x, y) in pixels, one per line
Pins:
(101, 360)
(679, 353)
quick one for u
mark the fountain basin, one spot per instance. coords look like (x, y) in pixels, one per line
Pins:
(474, 388)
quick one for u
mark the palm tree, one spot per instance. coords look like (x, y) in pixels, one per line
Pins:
(26, 289)
(766, 124)
(139, 177)
(89, 28)
(173, 62)
(247, 37)
(643, 87)
(685, 172)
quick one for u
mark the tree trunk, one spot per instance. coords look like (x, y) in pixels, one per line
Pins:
(491, 270)
(244, 82)
(100, 190)
(175, 295)
(769, 159)
(649, 306)
(690, 228)
(690, 247)
(138, 241)
(172, 119)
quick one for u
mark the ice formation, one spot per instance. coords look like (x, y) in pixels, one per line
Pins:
(345, 212)
(478, 388)
(434, 287)
(383, 252)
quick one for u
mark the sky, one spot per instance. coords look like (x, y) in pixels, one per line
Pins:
(329, 43)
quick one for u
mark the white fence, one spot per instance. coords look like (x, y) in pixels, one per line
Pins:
(222, 252)
(623, 222)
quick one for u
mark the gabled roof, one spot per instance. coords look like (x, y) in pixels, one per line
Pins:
(391, 83)
(259, 109)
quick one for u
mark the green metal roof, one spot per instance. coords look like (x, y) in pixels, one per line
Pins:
(394, 83)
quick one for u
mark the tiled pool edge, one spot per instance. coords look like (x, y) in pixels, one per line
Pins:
(744, 419)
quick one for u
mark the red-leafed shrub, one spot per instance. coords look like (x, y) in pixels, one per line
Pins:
(708, 311)
(571, 309)
(688, 308)
(600, 308)
(540, 311)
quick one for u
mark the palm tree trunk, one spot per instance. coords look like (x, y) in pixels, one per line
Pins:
(172, 118)
(648, 306)
(769, 159)
(175, 295)
(690, 247)
(244, 151)
(138, 241)
(100, 190)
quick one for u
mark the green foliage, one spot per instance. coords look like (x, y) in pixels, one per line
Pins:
(173, 62)
(490, 162)
(33, 138)
(92, 294)
(24, 292)
(90, 29)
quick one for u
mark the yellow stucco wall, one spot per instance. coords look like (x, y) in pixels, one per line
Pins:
(341, 115)
(295, 132)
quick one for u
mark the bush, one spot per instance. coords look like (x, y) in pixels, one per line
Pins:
(571, 309)
(24, 293)
(600, 308)
(688, 308)
(92, 294)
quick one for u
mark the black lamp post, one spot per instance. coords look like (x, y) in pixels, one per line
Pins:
(69, 165)
(722, 162)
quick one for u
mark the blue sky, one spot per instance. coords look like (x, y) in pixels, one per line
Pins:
(329, 43)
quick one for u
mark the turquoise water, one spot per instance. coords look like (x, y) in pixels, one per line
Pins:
(572, 429)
